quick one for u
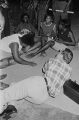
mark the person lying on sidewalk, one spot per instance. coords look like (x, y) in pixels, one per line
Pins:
(37, 89)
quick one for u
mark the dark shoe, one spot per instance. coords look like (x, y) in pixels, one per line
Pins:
(8, 112)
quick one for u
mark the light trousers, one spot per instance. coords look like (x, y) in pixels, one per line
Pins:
(33, 89)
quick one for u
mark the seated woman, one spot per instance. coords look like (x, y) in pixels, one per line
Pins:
(47, 29)
(16, 45)
(65, 34)
(25, 25)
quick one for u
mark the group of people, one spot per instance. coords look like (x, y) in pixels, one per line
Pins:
(56, 71)
(37, 89)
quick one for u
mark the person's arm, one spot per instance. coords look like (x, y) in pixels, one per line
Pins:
(72, 37)
(15, 53)
(18, 29)
(40, 32)
(55, 30)
(33, 29)
(68, 75)
(47, 65)
(73, 43)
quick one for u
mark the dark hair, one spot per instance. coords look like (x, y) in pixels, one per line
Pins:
(49, 13)
(66, 23)
(28, 39)
(68, 52)
(23, 15)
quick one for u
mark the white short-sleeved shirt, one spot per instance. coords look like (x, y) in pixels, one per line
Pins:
(6, 41)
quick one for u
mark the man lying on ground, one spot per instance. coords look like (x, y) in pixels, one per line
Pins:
(37, 89)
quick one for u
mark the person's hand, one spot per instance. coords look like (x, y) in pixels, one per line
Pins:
(4, 5)
(32, 64)
(50, 38)
(30, 55)
(24, 31)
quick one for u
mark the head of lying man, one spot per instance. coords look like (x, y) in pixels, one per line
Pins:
(27, 41)
(66, 55)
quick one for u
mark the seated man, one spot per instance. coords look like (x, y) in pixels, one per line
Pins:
(65, 34)
(37, 89)
(16, 45)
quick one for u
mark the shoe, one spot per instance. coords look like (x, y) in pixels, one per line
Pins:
(9, 111)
